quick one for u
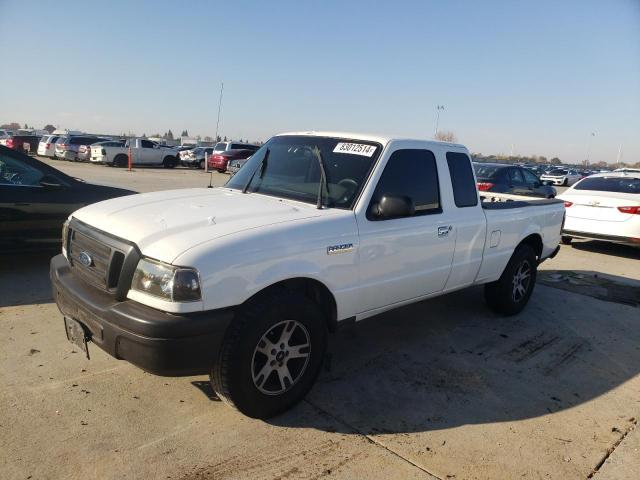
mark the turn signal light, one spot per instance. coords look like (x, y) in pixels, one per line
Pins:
(567, 204)
(631, 210)
(485, 186)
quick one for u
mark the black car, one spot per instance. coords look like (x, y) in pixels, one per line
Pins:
(36, 199)
(499, 178)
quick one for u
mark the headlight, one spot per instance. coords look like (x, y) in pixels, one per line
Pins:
(65, 237)
(175, 284)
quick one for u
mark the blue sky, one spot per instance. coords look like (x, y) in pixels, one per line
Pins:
(538, 75)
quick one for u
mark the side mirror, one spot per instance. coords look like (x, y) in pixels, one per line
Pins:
(49, 181)
(393, 206)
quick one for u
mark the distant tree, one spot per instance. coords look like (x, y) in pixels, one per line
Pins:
(225, 138)
(446, 136)
(144, 135)
(218, 138)
(555, 161)
(184, 133)
(49, 128)
(169, 135)
(11, 126)
(26, 126)
(208, 139)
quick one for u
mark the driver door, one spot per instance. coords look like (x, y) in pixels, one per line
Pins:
(30, 211)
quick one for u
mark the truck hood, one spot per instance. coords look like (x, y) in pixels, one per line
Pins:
(165, 224)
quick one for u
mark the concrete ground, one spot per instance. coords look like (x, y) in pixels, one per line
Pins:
(441, 389)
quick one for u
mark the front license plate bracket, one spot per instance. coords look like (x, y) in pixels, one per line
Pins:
(77, 334)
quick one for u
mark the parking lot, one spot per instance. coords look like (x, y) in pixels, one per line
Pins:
(441, 389)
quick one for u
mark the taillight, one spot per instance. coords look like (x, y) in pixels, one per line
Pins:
(567, 204)
(631, 210)
(485, 186)
(9, 143)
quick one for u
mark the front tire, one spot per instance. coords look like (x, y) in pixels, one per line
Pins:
(565, 183)
(201, 165)
(511, 292)
(271, 355)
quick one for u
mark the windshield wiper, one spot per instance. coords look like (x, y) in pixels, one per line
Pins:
(323, 178)
(262, 167)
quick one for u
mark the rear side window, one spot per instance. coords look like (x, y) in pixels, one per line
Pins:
(146, 144)
(610, 184)
(220, 147)
(465, 193)
(411, 173)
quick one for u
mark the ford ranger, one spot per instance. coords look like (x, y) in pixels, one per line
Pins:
(245, 281)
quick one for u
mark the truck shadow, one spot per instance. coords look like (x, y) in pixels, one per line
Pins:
(24, 276)
(450, 361)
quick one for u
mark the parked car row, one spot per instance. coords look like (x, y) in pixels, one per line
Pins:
(219, 155)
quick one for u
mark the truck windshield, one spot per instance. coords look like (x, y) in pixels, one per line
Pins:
(293, 171)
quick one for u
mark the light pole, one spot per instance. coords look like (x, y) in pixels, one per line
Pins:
(219, 106)
(438, 108)
(589, 147)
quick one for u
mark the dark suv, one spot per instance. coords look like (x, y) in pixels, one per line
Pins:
(499, 178)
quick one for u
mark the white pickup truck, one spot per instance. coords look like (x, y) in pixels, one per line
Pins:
(143, 152)
(317, 229)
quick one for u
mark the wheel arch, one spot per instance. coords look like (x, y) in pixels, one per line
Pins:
(312, 289)
(534, 240)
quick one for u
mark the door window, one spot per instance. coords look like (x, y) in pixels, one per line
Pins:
(515, 177)
(15, 172)
(146, 144)
(530, 178)
(411, 173)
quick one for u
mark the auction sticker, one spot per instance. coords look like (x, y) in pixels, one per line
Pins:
(355, 149)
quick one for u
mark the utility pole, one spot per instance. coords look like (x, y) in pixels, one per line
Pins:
(589, 147)
(219, 107)
(438, 108)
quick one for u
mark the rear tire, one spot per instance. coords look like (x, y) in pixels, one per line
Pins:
(201, 164)
(566, 240)
(121, 161)
(511, 292)
(169, 162)
(566, 182)
(271, 354)
(221, 170)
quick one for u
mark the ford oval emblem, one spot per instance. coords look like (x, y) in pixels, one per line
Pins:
(85, 259)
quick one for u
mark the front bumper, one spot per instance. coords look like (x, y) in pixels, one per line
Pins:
(157, 342)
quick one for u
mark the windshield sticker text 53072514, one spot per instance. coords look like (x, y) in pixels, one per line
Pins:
(355, 149)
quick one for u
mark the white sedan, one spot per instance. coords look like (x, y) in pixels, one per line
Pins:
(604, 206)
(561, 176)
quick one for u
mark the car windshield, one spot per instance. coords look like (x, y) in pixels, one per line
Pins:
(220, 147)
(610, 184)
(558, 172)
(292, 169)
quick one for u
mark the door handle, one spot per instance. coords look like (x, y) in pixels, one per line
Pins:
(444, 231)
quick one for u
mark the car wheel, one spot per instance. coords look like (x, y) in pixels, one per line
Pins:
(566, 182)
(271, 355)
(510, 293)
(566, 240)
(202, 164)
(121, 161)
(221, 170)
(169, 162)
